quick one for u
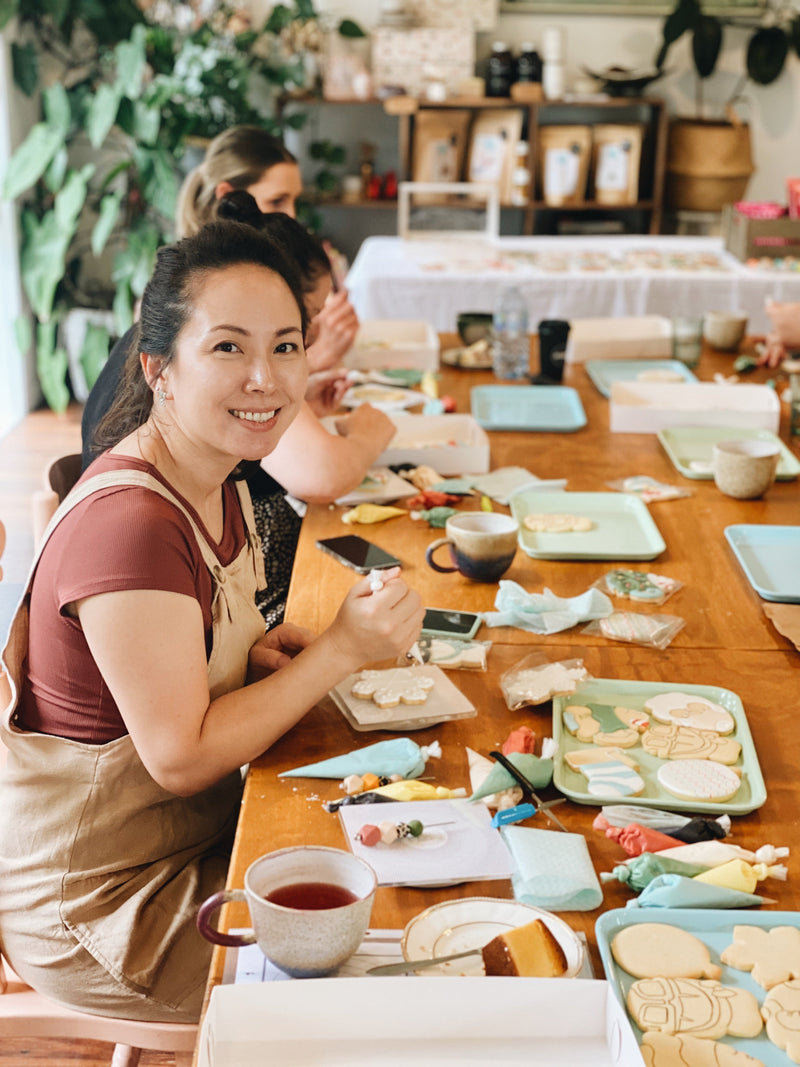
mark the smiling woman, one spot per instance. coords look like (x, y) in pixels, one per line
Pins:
(143, 679)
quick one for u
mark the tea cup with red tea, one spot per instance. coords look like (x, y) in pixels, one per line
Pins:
(310, 907)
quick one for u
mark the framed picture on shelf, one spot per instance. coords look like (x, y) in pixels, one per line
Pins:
(493, 139)
(625, 7)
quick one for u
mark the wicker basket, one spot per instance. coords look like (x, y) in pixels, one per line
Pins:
(708, 164)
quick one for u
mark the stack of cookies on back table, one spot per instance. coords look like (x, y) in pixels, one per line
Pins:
(689, 735)
(695, 1012)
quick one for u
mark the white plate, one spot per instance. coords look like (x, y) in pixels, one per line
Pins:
(458, 925)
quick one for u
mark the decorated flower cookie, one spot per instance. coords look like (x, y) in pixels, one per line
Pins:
(699, 779)
(388, 688)
(691, 710)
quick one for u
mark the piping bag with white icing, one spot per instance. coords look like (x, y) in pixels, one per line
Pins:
(715, 853)
(398, 755)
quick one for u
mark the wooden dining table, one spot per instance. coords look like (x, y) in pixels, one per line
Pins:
(726, 641)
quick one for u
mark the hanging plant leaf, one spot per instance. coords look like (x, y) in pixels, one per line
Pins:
(131, 61)
(51, 367)
(94, 352)
(25, 65)
(681, 19)
(348, 28)
(8, 9)
(109, 213)
(279, 19)
(23, 334)
(766, 54)
(57, 109)
(102, 114)
(706, 44)
(30, 160)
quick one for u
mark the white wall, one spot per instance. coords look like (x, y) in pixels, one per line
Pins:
(18, 390)
(605, 40)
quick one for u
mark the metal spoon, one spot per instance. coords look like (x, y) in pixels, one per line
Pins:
(417, 965)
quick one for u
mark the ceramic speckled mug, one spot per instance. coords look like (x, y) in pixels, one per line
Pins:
(744, 469)
(310, 907)
(482, 545)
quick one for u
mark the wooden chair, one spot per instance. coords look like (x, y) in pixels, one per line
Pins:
(25, 1013)
(60, 476)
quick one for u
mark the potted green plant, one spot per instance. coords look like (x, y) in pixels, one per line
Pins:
(709, 158)
(128, 85)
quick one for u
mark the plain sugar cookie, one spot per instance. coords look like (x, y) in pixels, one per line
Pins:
(694, 1006)
(781, 1011)
(673, 1050)
(699, 779)
(557, 522)
(670, 741)
(691, 710)
(653, 950)
(772, 956)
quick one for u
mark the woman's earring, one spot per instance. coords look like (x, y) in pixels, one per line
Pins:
(162, 397)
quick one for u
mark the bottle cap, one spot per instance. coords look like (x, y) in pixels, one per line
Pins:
(499, 46)
(527, 46)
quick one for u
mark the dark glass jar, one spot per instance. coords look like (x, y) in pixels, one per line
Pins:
(499, 70)
(529, 64)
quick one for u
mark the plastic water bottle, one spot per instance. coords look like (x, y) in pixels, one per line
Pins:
(510, 341)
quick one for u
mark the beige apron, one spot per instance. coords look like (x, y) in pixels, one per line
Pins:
(102, 870)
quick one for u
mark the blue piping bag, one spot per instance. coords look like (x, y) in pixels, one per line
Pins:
(398, 755)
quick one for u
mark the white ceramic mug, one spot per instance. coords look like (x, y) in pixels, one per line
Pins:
(310, 907)
(724, 329)
(482, 545)
(745, 468)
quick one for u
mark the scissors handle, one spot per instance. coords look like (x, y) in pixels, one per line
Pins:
(540, 805)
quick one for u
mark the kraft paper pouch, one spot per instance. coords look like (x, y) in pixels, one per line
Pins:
(400, 755)
(552, 870)
(676, 891)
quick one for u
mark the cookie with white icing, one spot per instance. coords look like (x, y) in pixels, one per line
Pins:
(670, 741)
(557, 522)
(687, 709)
(397, 685)
(699, 779)
(611, 778)
(600, 724)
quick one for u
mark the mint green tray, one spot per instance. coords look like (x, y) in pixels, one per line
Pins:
(714, 927)
(690, 448)
(604, 372)
(623, 528)
(751, 794)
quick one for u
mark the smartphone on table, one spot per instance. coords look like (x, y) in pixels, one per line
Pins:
(358, 553)
(444, 622)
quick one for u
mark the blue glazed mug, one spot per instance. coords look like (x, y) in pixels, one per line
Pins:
(482, 545)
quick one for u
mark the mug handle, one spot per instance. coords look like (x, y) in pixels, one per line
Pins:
(209, 932)
(429, 556)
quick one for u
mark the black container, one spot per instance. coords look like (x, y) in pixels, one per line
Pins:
(553, 334)
(529, 65)
(499, 70)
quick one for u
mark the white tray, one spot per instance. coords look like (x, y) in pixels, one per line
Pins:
(451, 444)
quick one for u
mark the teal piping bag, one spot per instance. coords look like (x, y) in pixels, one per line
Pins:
(399, 755)
(640, 871)
(675, 891)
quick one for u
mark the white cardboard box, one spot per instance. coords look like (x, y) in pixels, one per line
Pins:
(427, 1022)
(637, 337)
(647, 407)
(451, 444)
(387, 343)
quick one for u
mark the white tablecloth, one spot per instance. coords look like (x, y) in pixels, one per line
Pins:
(561, 277)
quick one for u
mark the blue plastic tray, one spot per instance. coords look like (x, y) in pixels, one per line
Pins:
(714, 927)
(604, 372)
(553, 408)
(770, 559)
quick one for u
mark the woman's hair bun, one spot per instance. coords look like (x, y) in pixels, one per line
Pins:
(240, 206)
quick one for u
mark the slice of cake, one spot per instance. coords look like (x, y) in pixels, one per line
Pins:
(530, 951)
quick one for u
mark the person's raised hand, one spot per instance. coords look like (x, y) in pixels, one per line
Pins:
(367, 421)
(326, 389)
(336, 326)
(375, 624)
